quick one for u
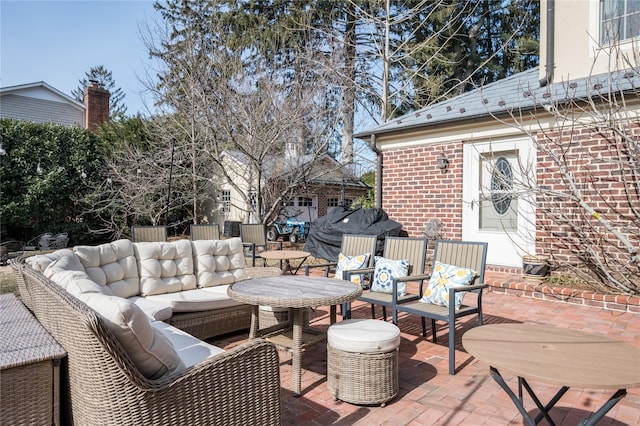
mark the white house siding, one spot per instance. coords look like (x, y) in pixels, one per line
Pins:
(40, 110)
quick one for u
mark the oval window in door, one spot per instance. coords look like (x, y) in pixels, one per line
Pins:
(501, 186)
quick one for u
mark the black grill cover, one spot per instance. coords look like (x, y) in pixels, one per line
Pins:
(325, 236)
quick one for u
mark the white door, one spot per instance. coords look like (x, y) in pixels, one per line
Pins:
(303, 209)
(496, 207)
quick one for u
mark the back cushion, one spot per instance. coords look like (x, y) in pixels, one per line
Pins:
(165, 267)
(113, 265)
(67, 271)
(149, 349)
(40, 262)
(218, 262)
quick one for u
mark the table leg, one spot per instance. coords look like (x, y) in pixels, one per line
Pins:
(332, 314)
(298, 268)
(611, 402)
(255, 314)
(544, 410)
(296, 353)
(517, 401)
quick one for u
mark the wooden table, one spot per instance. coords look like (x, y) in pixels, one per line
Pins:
(557, 356)
(287, 256)
(297, 293)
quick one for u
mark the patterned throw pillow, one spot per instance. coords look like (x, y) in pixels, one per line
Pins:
(443, 278)
(348, 263)
(386, 270)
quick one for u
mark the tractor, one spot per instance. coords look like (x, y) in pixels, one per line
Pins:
(293, 229)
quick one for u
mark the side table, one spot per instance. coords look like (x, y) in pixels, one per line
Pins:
(29, 367)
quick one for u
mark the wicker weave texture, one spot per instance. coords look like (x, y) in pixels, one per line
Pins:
(367, 379)
(208, 324)
(29, 368)
(271, 318)
(238, 387)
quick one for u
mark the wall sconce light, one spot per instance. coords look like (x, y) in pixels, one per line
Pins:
(443, 162)
(39, 170)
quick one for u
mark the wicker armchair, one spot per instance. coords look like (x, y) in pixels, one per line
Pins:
(102, 386)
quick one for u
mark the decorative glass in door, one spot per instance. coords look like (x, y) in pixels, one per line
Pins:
(498, 202)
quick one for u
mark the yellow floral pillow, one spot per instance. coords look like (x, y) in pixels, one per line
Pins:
(349, 263)
(442, 279)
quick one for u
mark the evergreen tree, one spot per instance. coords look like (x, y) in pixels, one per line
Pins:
(104, 78)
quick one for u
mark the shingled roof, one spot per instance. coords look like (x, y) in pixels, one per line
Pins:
(514, 94)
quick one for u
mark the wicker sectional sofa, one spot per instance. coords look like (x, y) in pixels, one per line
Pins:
(131, 317)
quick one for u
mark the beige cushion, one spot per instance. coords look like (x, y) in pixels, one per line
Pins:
(165, 267)
(201, 299)
(363, 336)
(40, 262)
(113, 265)
(191, 350)
(67, 271)
(218, 262)
(149, 349)
(156, 311)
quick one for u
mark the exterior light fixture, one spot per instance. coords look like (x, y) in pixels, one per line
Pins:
(443, 162)
(39, 170)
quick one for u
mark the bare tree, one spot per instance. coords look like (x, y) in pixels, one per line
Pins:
(218, 104)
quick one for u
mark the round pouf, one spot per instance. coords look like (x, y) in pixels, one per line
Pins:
(362, 361)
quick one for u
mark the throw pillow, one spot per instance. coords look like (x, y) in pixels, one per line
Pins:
(386, 270)
(349, 263)
(443, 278)
(151, 351)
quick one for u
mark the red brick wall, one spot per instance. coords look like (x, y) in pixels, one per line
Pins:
(604, 182)
(415, 190)
(96, 101)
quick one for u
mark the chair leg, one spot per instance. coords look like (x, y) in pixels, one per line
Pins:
(373, 311)
(424, 326)
(433, 329)
(452, 348)
(384, 312)
(345, 310)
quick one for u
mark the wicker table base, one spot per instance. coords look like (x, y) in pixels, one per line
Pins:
(29, 367)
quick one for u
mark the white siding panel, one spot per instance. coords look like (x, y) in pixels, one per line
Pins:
(40, 110)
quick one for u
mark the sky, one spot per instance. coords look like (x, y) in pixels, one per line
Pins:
(59, 41)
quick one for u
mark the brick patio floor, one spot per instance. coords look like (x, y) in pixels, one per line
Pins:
(430, 396)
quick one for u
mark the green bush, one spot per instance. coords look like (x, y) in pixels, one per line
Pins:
(44, 173)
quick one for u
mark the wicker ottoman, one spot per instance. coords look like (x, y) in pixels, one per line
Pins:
(362, 361)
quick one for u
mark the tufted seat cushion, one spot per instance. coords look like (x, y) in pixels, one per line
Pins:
(165, 267)
(199, 299)
(113, 265)
(218, 262)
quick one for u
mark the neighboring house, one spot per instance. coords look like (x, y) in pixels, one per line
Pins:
(328, 183)
(441, 162)
(41, 103)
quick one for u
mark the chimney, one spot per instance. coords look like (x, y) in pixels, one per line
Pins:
(96, 103)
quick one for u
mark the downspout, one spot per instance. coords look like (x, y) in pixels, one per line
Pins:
(378, 189)
(549, 46)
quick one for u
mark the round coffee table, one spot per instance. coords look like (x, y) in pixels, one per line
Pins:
(297, 293)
